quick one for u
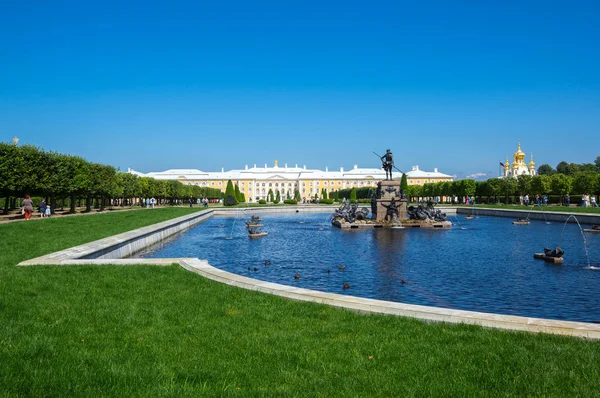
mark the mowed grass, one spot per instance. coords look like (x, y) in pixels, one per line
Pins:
(163, 331)
(535, 208)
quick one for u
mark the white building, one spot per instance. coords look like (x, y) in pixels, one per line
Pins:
(255, 182)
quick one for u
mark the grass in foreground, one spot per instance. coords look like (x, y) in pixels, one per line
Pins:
(147, 331)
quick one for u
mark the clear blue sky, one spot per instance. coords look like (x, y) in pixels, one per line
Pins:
(157, 85)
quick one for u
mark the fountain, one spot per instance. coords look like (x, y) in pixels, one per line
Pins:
(254, 228)
(595, 229)
(232, 226)
(551, 255)
(459, 223)
(522, 221)
(389, 208)
(587, 254)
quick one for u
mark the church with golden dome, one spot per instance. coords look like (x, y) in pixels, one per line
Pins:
(519, 167)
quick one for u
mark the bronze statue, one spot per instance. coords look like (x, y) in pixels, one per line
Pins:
(392, 210)
(387, 164)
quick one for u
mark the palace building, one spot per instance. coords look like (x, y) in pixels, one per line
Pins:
(519, 167)
(255, 182)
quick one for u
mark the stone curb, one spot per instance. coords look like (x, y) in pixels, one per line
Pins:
(74, 256)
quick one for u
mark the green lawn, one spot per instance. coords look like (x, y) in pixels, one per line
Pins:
(163, 331)
(582, 210)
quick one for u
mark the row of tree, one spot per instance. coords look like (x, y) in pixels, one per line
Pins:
(33, 171)
(570, 169)
(507, 189)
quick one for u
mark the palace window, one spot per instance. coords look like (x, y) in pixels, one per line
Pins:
(270, 184)
(276, 184)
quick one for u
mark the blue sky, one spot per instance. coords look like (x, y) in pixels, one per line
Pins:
(159, 85)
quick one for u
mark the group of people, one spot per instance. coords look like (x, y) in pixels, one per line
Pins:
(539, 200)
(27, 210)
(200, 201)
(588, 200)
(150, 203)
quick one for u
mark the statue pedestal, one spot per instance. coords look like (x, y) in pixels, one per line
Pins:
(388, 191)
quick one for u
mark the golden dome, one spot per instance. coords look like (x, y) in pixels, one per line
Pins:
(519, 156)
(531, 164)
(506, 165)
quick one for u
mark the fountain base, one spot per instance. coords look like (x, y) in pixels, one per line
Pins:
(548, 259)
(368, 224)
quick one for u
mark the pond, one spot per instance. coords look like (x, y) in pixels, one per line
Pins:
(485, 264)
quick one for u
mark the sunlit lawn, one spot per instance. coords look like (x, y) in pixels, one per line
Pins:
(162, 331)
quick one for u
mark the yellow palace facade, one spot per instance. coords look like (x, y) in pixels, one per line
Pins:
(255, 182)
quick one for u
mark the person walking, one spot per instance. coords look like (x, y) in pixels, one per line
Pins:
(42, 206)
(48, 211)
(27, 207)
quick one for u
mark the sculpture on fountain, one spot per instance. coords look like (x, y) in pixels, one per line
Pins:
(389, 207)
(350, 212)
(425, 213)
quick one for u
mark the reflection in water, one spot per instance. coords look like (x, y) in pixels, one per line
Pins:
(389, 263)
(488, 267)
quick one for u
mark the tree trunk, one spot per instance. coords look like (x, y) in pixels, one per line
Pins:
(6, 204)
(102, 200)
(72, 204)
(52, 204)
(88, 204)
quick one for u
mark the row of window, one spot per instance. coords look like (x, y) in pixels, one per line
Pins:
(339, 183)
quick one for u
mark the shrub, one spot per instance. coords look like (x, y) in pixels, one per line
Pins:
(327, 201)
(229, 201)
(230, 198)
(290, 202)
(262, 202)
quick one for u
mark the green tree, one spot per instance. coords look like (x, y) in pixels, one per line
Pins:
(541, 184)
(297, 195)
(404, 183)
(588, 167)
(545, 169)
(277, 198)
(524, 183)
(561, 185)
(229, 195)
(353, 195)
(495, 187)
(238, 194)
(585, 182)
(509, 186)
(270, 196)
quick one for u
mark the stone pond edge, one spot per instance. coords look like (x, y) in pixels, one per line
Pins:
(109, 251)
